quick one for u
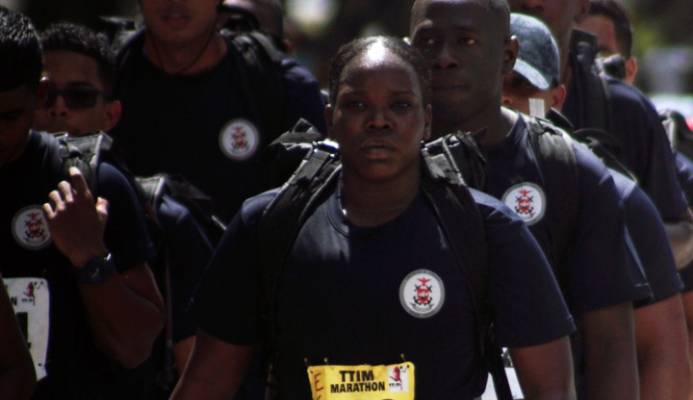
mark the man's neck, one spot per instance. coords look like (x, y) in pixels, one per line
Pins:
(564, 48)
(198, 56)
(18, 153)
(492, 124)
(370, 204)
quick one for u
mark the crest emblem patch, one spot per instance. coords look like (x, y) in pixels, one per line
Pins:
(30, 229)
(422, 293)
(239, 139)
(527, 200)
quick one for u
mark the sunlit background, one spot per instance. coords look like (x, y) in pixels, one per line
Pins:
(663, 28)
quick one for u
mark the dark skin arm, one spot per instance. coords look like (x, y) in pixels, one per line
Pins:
(215, 371)
(681, 239)
(662, 344)
(545, 371)
(610, 361)
(17, 375)
(126, 311)
(687, 298)
(182, 351)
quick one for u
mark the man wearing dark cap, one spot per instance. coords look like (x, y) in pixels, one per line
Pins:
(534, 85)
(659, 322)
(621, 111)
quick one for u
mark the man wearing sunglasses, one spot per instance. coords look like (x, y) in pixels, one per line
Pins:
(75, 89)
(75, 261)
(78, 75)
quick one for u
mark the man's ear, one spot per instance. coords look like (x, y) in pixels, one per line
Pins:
(428, 119)
(582, 10)
(558, 96)
(631, 70)
(113, 112)
(329, 112)
(510, 51)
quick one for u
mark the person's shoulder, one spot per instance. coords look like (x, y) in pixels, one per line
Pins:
(111, 182)
(295, 72)
(624, 185)
(172, 212)
(130, 48)
(253, 208)
(626, 98)
(493, 209)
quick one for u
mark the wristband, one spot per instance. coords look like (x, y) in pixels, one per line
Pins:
(97, 270)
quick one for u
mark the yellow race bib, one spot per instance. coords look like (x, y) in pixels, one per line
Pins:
(362, 382)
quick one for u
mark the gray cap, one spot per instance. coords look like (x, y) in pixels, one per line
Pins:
(538, 59)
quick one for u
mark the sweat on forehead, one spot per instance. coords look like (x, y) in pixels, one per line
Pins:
(499, 7)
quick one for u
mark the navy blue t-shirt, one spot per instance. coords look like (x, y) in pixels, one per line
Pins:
(684, 167)
(348, 295)
(649, 239)
(189, 252)
(75, 366)
(597, 271)
(200, 126)
(645, 148)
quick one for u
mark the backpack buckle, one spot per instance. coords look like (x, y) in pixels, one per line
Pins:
(328, 146)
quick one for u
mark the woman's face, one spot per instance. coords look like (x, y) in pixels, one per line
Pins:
(379, 118)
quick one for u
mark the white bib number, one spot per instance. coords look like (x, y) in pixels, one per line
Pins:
(30, 298)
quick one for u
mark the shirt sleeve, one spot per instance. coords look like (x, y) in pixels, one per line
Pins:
(189, 252)
(303, 96)
(527, 304)
(599, 271)
(226, 302)
(647, 231)
(647, 149)
(126, 233)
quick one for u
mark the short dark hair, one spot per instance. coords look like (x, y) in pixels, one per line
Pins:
(498, 7)
(82, 40)
(399, 47)
(20, 51)
(617, 14)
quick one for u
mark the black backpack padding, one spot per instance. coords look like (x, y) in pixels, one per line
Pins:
(97, 148)
(451, 201)
(677, 130)
(597, 113)
(87, 153)
(258, 67)
(286, 152)
(456, 158)
(559, 172)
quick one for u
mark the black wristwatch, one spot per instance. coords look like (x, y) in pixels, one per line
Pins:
(97, 270)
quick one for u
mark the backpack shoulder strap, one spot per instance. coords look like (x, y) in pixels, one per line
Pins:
(279, 226)
(597, 111)
(286, 152)
(456, 158)
(84, 153)
(257, 64)
(558, 168)
(463, 226)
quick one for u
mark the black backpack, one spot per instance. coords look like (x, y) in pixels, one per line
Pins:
(87, 153)
(677, 130)
(444, 186)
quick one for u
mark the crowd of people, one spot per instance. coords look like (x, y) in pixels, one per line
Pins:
(189, 215)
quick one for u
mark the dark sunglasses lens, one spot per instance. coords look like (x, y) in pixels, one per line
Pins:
(80, 98)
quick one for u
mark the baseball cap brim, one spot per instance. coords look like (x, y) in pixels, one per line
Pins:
(531, 74)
